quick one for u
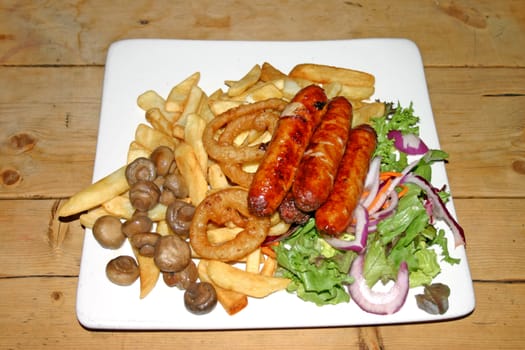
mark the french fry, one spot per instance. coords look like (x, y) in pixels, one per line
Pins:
(269, 73)
(136, 150)
(148, 273)
(238, 87)
(121, 207)
(163, 228)
(253, 260)
(178, 131)
(356, 93)
(216, 177)
(221, 106)
(263, 92)
(192, 104)
(88, 219)
(157, 120)
(193, 131)
(151, 138)
(97, 193)
(326, 74)
(176, 100)
(151, 99)
(251, 284)
(290, 88)
(191, 171)
(205, 111)
(269, 267)
(222, 234)
(231, 301)
(368, 111)
(279, 228)
(332, 89)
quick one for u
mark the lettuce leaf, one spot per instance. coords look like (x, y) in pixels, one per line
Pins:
(399, 118)
(319, 273)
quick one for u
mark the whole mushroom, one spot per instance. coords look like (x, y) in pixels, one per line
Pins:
(123, 270)
(144, 195)
(200, 298)
(145, 242)
(107, 230)
(172, 253)
(163, 158)
(182, 279)
(141, 169)
(176, 184)
(178, 216)
(137, 224)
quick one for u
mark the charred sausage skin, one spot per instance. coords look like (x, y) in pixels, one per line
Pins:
(335, 215)
(318, 168)
(276, 172)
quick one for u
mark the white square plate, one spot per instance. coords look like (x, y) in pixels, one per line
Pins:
(134, 66)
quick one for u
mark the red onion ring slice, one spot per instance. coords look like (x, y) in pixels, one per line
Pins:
(409, 143)
(380, 303)
(439, 209)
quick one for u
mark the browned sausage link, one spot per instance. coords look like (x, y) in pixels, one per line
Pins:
(277, 169)
(318, 168)
(334, 216)
(289, 212)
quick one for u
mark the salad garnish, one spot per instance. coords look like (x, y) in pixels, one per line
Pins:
(393, 237)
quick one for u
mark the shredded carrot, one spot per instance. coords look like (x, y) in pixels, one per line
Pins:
(404, 190)
(268, 251)
(364, 194)
(380, 193)
(388, 174)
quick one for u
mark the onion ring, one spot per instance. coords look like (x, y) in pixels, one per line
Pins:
(236, 174)
(219, 208)
(224, 150)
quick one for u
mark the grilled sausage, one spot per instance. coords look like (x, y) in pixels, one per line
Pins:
(335, 215)
(318, 168)
(276, 172)
(289, 212)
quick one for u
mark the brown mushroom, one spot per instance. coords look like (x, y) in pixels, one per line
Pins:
(200, 298)
(178, 216)
(172, 253)
(141, 169)
(182, 279)
(144, 195)
(176, 184)
(145, 243)
(167, 197)
(123, 270)
(163, 158)
(137, 224)
(107, 230)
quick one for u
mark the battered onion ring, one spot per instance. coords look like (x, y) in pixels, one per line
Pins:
(264, 121)
(219, 208)
(236, 174)
(226, 151)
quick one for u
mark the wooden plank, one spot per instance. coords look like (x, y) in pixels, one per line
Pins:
(478, 33)
(49, 120)
(35, 243)
(495, 236)
(481, 125)
(40, 312)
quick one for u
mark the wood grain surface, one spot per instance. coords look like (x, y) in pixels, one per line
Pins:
(52, 56)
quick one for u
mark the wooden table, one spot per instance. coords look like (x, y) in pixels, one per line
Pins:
(52, 58)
